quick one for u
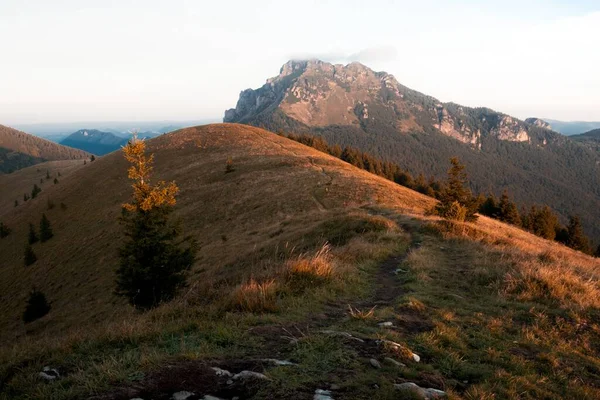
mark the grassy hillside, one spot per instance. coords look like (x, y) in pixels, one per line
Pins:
(296, 247)
(19, 149)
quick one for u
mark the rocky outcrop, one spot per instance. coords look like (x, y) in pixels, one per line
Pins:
(316, 94)
(540, 123)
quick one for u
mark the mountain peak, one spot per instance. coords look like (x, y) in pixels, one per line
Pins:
(309, 94)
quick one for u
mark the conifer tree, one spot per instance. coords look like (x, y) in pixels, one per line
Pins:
(29, 256)
(93, 158)
(576, 238)
(45, 229)
(4, 230)
(35, 191)
(55, 181)
(455, 194)
(32, 237)
(16, 203)
(47, 174)
(37, 306)
(490, 207)
(154, 260)
(509, 212)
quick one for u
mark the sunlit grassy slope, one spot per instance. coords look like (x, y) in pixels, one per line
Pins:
(493, 311)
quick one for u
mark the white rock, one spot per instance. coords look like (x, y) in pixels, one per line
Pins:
(386, 324)
(278, 362)
(250, 374)
(183, 395)
(416, 357)
(221, 372)
(421, 393)
(375, 363)
(209, 397)
(49, 374)
(321, 394)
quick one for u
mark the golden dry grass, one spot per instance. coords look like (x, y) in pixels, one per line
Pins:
(255, 296)
(273, 204)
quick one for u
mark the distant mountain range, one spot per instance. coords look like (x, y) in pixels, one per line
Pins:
(59, 131)
(101, 143)
(94, 141)
(19, 149)
(352, 105)
(573, 127)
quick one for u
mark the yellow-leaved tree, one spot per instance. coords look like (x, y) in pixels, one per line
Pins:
(154, 259)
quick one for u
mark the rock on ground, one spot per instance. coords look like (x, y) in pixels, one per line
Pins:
(419, 392)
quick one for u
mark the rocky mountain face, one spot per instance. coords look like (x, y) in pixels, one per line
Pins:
(318, 94)
(354, 106)
(540, 123)
(94, 141)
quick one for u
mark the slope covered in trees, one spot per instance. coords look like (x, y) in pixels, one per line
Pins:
(357, 107)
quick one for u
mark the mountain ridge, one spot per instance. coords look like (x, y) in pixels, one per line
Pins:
(19, 149)
(354, 106)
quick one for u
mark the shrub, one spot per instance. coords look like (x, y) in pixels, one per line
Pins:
(37, 306)
(4, 230)
(453, 211)
(35, 191)
(45, 229)
(49, 204)
(229, 166)
(29, 256)
(255, 296)
(32, 236)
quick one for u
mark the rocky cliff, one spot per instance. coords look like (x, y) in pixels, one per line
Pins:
(316, 94)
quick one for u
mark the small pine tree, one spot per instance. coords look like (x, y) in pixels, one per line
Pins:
(29, 256)
(4, 230)
(35, 191)
(59, 173)
(63, 206)
(93, 158)
(32, 237)
(153, 260)
(47, 174)
(49, 204)
(455, 190)
(490, 207)
(55, 181)
(45, 229)
(509, 212)
(25, 197)
(37, 306)
(84, 162)
(229, 165)
(576, 238)
(16, 203)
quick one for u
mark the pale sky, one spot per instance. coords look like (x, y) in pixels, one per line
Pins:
(83, 60)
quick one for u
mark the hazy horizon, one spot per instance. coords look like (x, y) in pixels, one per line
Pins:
(81, 61)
